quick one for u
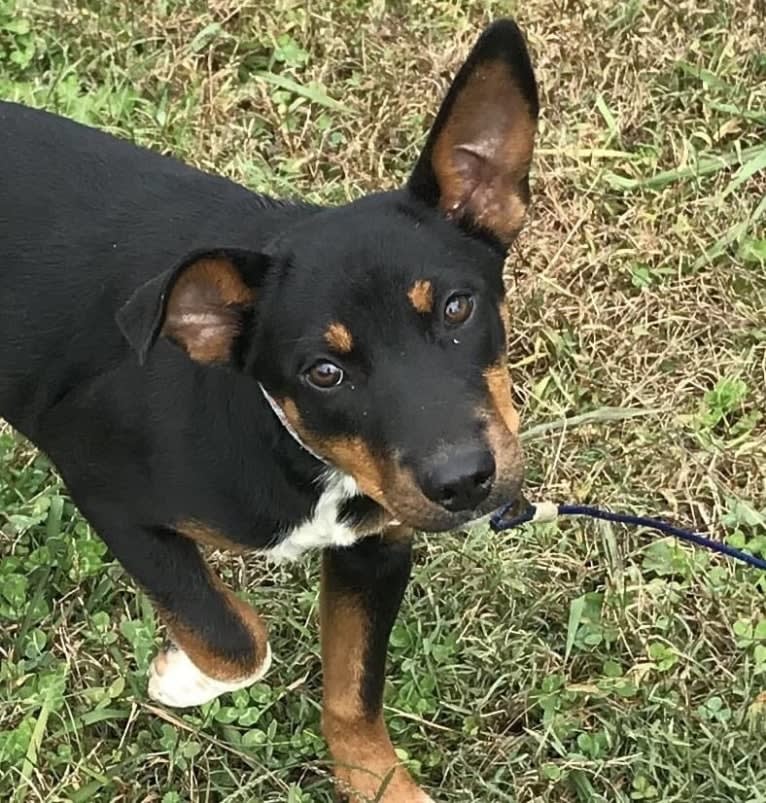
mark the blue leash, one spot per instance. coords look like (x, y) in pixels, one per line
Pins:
(521, 512)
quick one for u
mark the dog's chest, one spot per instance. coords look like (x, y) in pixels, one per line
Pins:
(324, 527)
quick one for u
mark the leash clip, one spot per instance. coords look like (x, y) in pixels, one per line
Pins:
(515, 513)
(545, 511)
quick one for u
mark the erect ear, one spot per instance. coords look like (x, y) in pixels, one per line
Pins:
(476, 160)
(201, 304)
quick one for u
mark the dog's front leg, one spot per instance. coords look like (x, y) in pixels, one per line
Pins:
(362, 589)
(219, 643)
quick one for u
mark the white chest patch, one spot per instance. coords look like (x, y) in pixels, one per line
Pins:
(323, 529)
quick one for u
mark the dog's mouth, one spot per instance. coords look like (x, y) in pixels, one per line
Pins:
(419, 513)
(400, 501)
(408, 501)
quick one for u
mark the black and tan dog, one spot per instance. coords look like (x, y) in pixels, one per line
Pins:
(208, 366)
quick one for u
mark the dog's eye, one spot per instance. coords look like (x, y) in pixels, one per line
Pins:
(324, 375)
(458, 308)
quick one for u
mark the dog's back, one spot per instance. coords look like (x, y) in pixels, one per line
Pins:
(86, 218)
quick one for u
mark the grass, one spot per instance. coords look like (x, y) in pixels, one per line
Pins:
(577, 662)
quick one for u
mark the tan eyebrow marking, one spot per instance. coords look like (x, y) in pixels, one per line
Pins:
(421, 296)
(339, 338)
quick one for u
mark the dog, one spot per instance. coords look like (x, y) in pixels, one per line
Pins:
(208, 366)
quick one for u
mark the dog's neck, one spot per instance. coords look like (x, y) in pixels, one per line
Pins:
(282, 418)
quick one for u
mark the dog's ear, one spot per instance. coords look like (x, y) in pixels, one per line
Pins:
(476, 160)
(201, 304)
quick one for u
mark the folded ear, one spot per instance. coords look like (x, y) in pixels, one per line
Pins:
(476, 160)
(201, 304)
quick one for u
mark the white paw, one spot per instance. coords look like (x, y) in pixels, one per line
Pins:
(175, 681)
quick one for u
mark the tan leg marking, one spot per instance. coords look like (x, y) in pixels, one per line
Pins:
(222, 667)
(360, 745)
(208, 536)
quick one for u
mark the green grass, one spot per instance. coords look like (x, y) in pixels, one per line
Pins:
(578, 662)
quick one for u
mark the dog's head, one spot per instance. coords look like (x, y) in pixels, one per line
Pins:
(379, 327)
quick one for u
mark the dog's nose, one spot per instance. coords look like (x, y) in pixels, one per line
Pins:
(461, 481)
